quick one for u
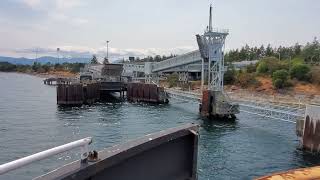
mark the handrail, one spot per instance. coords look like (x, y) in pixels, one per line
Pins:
(83, 143)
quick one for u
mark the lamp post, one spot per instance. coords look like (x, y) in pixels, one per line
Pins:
(58, 49)
(107, 49)
(289, 63)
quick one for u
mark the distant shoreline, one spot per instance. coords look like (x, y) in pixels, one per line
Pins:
(63, 74)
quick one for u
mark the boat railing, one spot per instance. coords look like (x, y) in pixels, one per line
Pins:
(82, 143)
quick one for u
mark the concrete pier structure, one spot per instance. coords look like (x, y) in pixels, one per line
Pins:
(311, 129)
(140, 92)
(216, 105)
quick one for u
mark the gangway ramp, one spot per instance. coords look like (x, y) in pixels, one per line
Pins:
(188, 58)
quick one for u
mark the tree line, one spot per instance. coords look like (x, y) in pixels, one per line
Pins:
(284, 73)
(40, 68)
(309, 52)
(156, 58)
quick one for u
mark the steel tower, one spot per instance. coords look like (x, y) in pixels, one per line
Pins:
(211, 45)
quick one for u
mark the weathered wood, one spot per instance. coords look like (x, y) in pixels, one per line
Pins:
(146, 93)
(77, 94)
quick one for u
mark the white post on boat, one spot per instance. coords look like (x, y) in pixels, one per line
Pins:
(83, 143)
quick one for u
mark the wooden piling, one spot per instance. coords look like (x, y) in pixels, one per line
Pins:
(77, 94)
(146, 93)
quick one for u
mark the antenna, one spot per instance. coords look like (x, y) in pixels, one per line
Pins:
(210, 18)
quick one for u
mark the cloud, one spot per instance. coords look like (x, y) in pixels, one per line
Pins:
(114, 53)
(60, 5)
(79, 21)
(56, 10)
(32, 3)
(67, 4)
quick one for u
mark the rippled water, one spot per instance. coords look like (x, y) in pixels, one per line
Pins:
(30, 121)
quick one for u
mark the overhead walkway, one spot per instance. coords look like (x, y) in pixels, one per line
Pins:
(156, 67)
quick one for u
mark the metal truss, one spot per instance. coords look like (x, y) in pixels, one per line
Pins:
(267, 109)
(183, 77)
(181, 60)
(283, 112)
(152, 78)
(183, 95)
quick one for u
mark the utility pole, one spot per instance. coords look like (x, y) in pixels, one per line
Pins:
(58, 50)
(210, 18)
(289, 63)
(107, 49)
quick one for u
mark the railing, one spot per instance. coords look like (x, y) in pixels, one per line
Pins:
(83, 143)
(284, 111)
(217, 30)
(180, 60)
(183, 95)
(134, 67)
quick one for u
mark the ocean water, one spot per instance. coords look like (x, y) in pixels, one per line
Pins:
(30, 121)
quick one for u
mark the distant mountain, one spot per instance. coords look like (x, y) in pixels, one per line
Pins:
(43, 60)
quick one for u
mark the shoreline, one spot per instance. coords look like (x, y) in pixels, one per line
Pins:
(285, 97)
(56, 74)
(234, 92)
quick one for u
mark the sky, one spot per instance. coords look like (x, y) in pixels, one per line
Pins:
(148, 27)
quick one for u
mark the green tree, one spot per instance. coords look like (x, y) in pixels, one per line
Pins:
(261, 51)
(173, 79)
(229, 76)
(268, 65)
(251, 68)
(75, 67)
(157, 58)
(280, 78)
(262, 67)
(269, 51)
(7, 67)
(46, 67)
(58, 67)
(311, 52)
(300, 72)
(36, 66)
(297, 49)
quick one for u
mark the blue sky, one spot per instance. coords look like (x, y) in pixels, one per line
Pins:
(148, 27)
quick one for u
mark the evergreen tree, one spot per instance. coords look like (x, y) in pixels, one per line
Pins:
(262, 51)
(269, 51)
(157, 58)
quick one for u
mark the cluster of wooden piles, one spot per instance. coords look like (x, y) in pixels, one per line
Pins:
(140, 92)
(77, 94)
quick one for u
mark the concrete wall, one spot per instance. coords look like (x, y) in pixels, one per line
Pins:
(311, 129)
